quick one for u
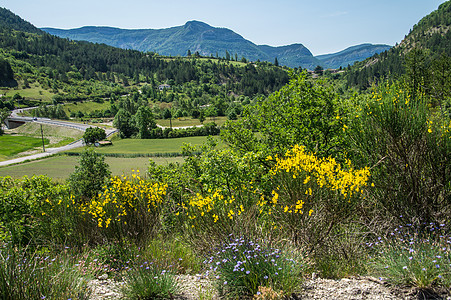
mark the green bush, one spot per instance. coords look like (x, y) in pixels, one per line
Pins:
(408, 148)
(417, 255)
(241, 266)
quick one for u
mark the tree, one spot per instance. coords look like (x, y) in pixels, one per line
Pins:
(123, 121)
(93, 134)
(144, 122)
(319, 70)
(90, 175)
(189, 53)
(4, 114)
(302, 113)
(276, 62)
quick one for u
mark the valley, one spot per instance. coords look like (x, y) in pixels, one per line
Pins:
(190, 163)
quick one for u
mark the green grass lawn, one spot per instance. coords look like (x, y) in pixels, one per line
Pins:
(11, 145)
(60, 167)
(137, 146)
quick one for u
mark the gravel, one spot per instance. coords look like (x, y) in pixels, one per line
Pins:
(197, 287)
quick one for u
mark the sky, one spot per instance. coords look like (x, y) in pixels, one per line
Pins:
(323, 26)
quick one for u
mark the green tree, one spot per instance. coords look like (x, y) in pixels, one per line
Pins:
(94, 134)
(124, 122)
(4, 114)
(144, 122)
(90, 175)
(319, 70)
(302, 112)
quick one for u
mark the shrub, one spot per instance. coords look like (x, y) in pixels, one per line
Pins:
(148, 281)
(408, 147)
(240, 267)
(90, 175)
(24, 276)
(310, 195)
(414, 255)
(128, 208)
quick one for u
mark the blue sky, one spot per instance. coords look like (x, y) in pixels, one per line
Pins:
(323, 26)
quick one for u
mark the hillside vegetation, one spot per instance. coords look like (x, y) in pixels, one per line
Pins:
(314, 176)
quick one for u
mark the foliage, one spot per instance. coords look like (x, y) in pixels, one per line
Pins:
(144, 122)
(51, 111)
(408, 148)
(241, 266)
(302, 112)
(94, 134)
(311, 195)
(40, 276)
(124, 122)
(222, 200)
(127, 208)
(149, 281)
(90, 175)
(417, 255)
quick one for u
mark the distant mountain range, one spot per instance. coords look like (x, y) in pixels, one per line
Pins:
(207, 40)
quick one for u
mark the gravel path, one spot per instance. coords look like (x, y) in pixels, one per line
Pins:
(367, 288)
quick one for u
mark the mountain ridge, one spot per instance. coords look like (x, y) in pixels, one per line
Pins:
(207, 40)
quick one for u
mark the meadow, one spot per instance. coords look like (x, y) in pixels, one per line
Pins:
(147, 146)
(61, 166)
(12, 145)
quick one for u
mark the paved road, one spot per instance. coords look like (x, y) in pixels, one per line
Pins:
(51, 151)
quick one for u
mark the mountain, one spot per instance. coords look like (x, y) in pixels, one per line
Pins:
(207, 40)
(350, 55)
(12, 21)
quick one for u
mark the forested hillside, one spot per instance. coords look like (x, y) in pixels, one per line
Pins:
(40, 64)
(431, 39)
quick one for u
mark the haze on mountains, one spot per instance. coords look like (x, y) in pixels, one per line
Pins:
(200, 37)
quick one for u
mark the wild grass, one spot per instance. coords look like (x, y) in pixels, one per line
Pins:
(35, 92)
(86, 107)
(60, 167)
(12, 145)
(139, 146)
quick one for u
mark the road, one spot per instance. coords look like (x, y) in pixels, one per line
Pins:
(51, 151)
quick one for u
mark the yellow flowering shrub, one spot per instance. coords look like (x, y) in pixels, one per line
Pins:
(130, 205)
(310, 193)
(214, 214)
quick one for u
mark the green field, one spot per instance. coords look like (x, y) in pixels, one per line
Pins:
(11, 145)
(137, 146)
(35, 92)
(60, 167)
(56, 135)
(86, 107)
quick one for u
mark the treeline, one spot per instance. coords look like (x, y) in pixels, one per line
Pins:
(83, 60)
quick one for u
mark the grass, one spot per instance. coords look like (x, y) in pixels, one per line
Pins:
(59, 132)
(60, 167)
(86, 107)
(183, 122)
(12, 145)
(34, 92)
(137, 146)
